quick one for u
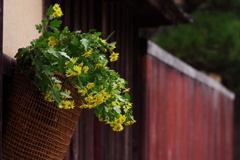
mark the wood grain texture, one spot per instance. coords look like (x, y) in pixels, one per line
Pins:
(185, 118)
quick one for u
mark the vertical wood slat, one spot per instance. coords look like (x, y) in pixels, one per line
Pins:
(181, 129)
(171, 114)
(211, 126)
(198, 118)
(163, 114)
(198, 113)
(147, 94)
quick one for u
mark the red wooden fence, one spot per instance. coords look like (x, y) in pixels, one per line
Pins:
(188, 116)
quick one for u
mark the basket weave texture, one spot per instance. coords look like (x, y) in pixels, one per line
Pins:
(34, 128)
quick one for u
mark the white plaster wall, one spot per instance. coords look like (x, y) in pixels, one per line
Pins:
(19, 20)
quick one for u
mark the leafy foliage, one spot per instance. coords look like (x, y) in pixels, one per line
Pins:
(211, 43)
(81, 59)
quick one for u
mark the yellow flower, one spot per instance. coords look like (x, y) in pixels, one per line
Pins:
(57, 11)
(66, 104)
(52, 41)
(99, 64)
(121, 83)
(85, 69)
(126, 90)
(130, 122)
(51, 38)
(70, 73)
(106, 94)
(114, 103)
(114, 57)
(82, 92)
(88, 99)
(117, 127)
(105, 64)
(56, 7)
(99, 99)
(77, 69)
(90, 85)
(74, 60)
(121, 119)
(86, 106)
(58, 86)
(104, 40)
(87, 54)
(51, 44)
(100, 119)
(128, 106)
(112, 46)
(48, 97)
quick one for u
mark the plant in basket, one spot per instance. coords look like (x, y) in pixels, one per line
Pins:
(81, 60)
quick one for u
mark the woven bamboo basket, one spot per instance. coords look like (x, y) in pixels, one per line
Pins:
(36, 129)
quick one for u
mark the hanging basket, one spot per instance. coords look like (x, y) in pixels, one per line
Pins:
(34, 128)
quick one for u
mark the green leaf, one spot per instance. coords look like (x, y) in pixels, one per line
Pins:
(56, 31)
(85, 42)
(106, 108)
(37, 64)
(55, 94)
(78, 31)
(92, 30)
(53, 52)
(50, 10)
(45, 22)
(39, 75)
(54, 63)
(65, 30)
(39, 28)
(79, 82)
(65, 95)
(48, 72)
(75, 41)
(64, 54)
(127, 96)
(109, 36)
(55, 24)
(117, 109)
(55, 80)
(21, 52)
(97, 34)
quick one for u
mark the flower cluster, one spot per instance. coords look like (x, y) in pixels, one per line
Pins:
(81, 60)
(52, 41)
(57, 11)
